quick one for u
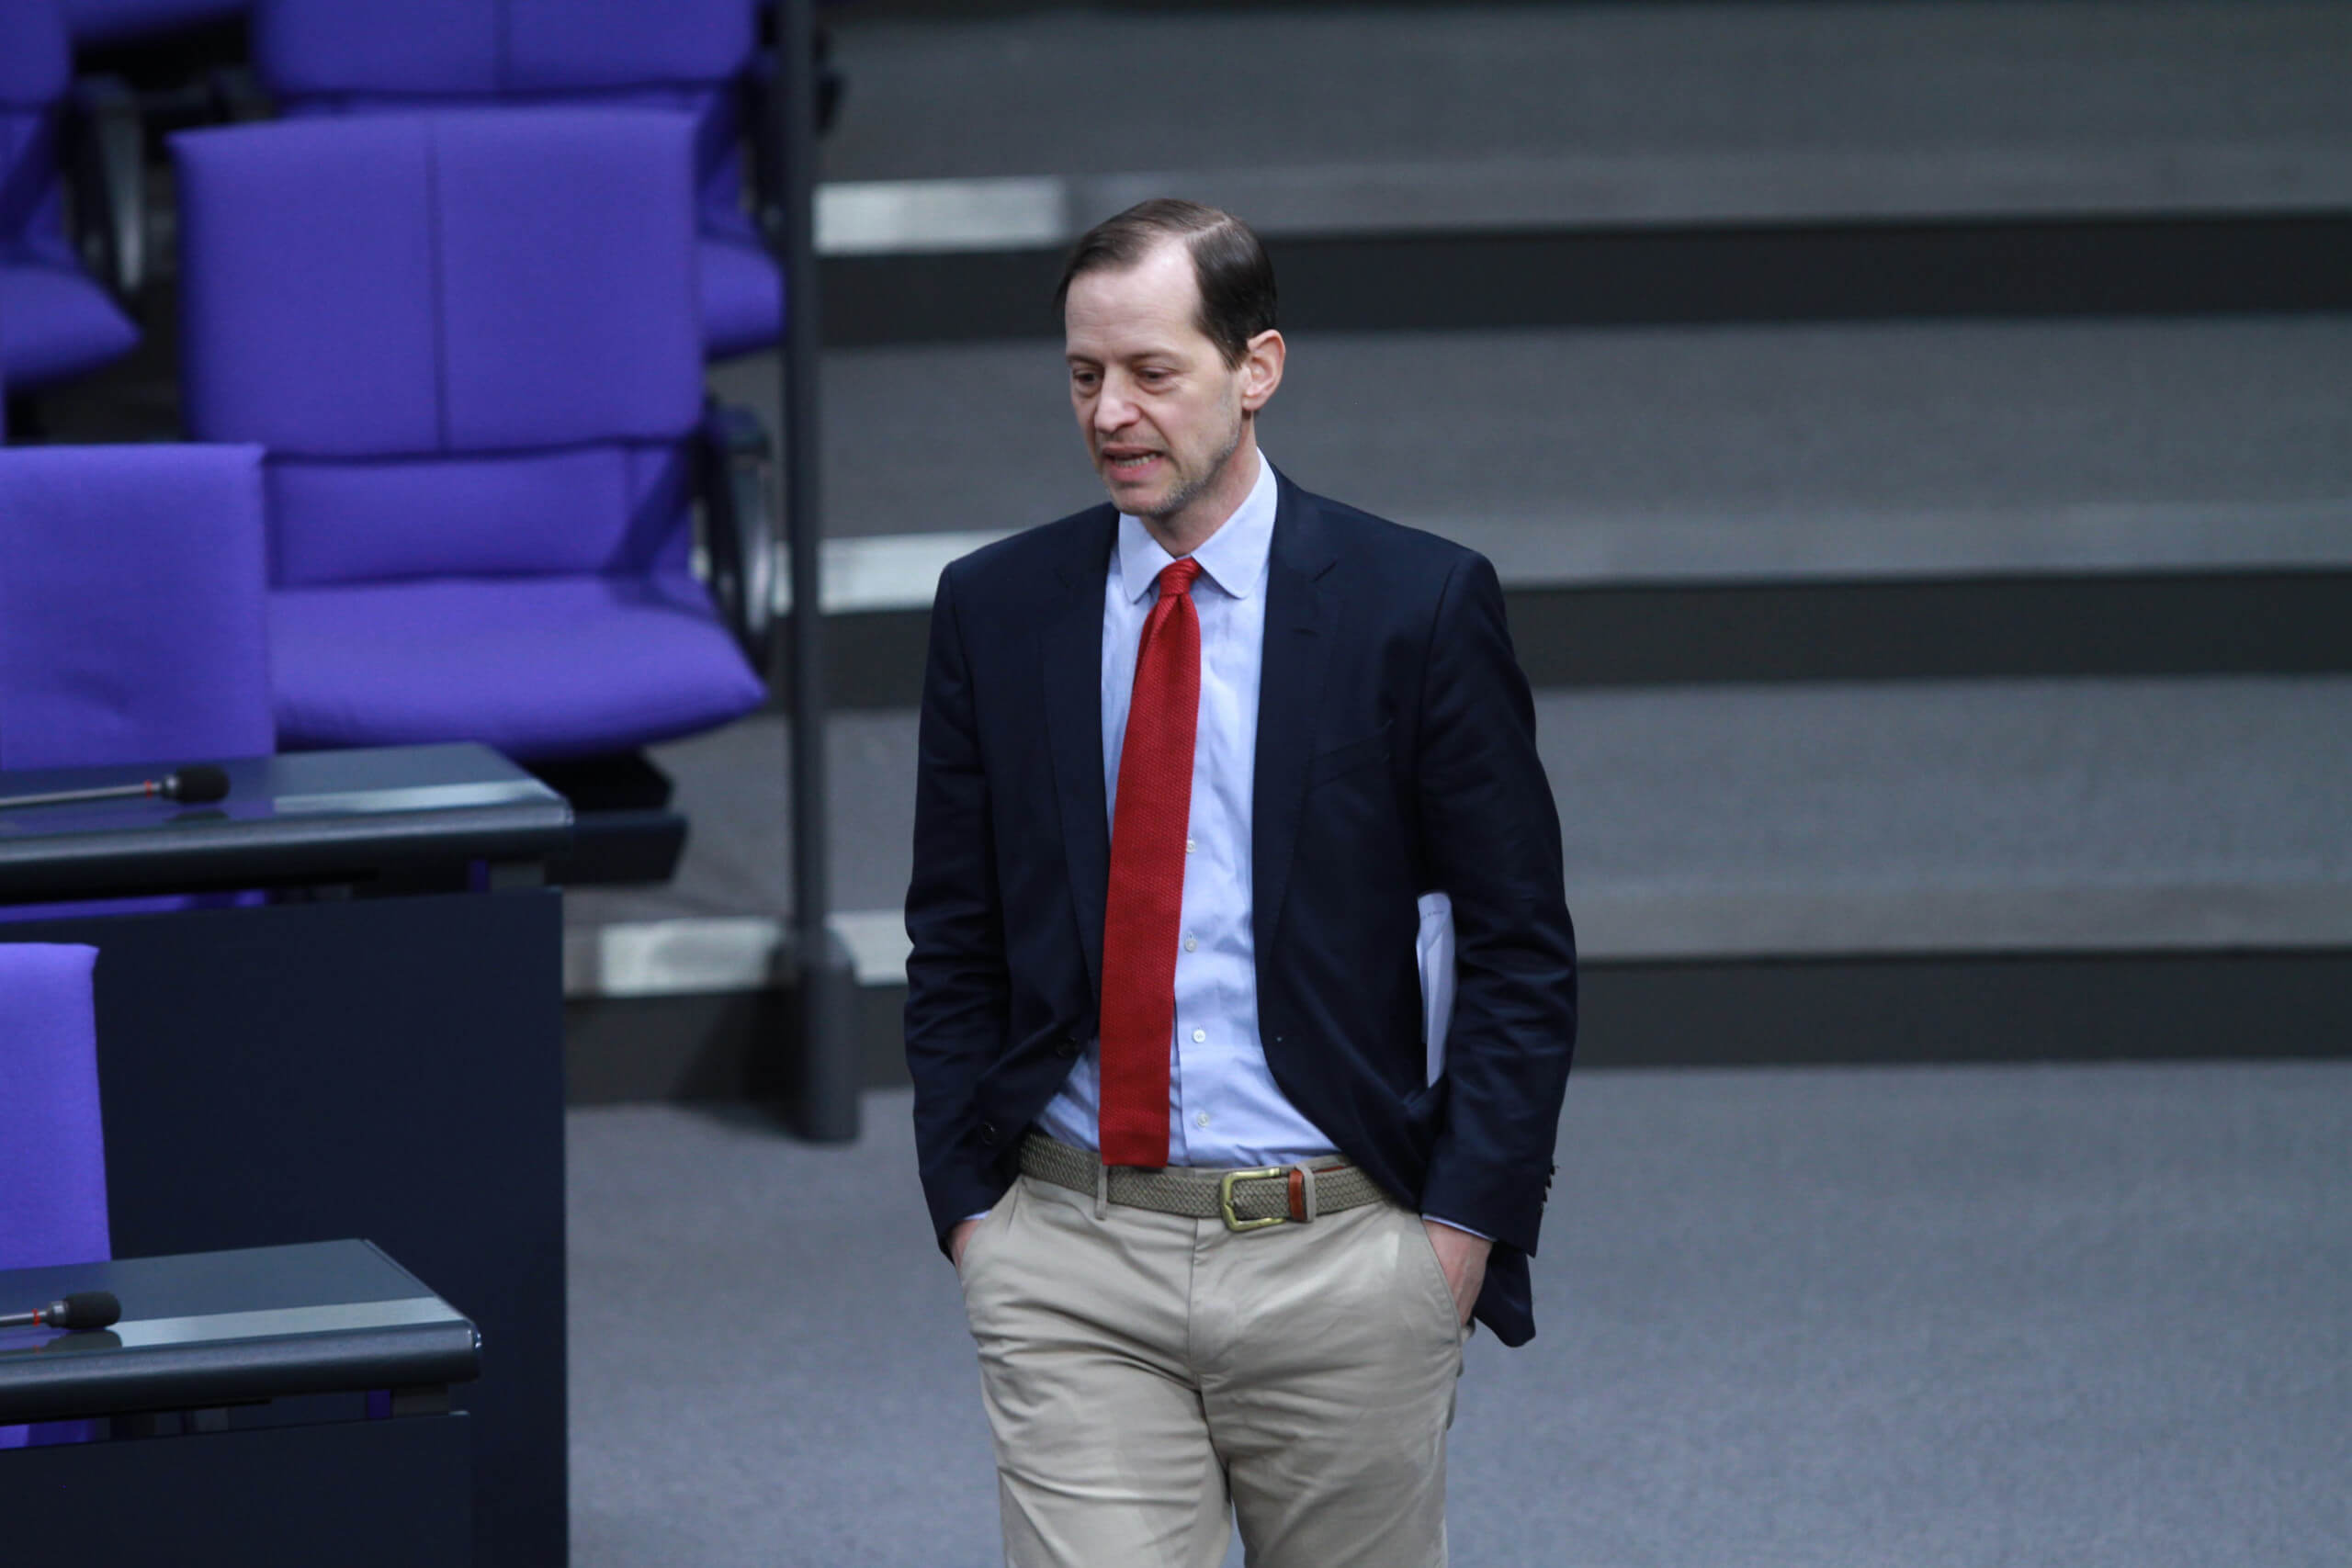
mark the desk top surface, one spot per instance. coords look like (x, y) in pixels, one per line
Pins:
(299, 814)
(216, 1327)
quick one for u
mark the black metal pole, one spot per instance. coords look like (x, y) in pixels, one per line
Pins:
(823, 1105)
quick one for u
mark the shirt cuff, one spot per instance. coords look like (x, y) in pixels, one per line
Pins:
(1457, 1225)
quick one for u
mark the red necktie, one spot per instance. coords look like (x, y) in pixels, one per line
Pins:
(1145, 907)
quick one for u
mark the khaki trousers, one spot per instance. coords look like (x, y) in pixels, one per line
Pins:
(1149, 1377)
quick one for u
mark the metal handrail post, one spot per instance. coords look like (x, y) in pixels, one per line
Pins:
(824, 1102)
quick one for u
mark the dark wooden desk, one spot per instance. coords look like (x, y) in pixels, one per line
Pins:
(277, 1405)
(330, 819)
(377, 1051)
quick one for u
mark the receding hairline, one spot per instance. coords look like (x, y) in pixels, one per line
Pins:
(1099, 250)
(1198, 306)
(1231, 308)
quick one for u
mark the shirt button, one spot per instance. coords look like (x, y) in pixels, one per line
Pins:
(1188, 846)
(1190, 943)
(1202, 1120)
(1199, 1035)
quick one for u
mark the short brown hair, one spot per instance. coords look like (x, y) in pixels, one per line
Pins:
(1236, 281)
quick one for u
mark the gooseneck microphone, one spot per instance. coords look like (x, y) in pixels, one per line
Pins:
(82, 1309)
(198, 786)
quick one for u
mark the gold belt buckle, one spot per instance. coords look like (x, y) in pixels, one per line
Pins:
(1225, 1197)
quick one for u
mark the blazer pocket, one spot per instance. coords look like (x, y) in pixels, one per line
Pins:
(1347, 757)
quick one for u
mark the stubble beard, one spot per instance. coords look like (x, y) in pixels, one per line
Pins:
(1192, 489)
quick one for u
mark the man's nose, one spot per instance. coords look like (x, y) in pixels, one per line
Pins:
(1113, 411)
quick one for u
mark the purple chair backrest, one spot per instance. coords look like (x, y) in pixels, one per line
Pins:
(334, 49)
(53, 1140)
(36, 69)
(53, 1144)
(132, 607)
(338, 57)
(469, 341)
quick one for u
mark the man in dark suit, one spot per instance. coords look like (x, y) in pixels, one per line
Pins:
(1188, 762)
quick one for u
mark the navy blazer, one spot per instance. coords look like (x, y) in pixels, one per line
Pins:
(1396, 754)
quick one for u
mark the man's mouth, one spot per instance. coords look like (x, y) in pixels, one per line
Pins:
(1128, 462)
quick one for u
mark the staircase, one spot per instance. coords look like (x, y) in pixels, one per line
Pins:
(1914, 437)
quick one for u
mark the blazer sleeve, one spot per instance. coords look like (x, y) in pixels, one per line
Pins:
(956, 978)
(1491, 836)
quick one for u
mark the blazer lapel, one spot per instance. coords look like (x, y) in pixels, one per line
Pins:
(1070, 652)
(1301, 616)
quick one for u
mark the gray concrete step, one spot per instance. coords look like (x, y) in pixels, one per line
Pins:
(1504, 166)
(1703, 824)
(1468, 117)
(1642, 454)
(1821, 501)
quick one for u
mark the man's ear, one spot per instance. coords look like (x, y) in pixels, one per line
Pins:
(1261, 369)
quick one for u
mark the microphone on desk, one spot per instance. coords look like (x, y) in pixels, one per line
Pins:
(197, 786)
(82, 1309)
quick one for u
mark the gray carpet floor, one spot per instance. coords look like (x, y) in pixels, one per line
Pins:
(1886, 1318)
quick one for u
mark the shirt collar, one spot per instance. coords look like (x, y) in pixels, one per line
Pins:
(1234, 558)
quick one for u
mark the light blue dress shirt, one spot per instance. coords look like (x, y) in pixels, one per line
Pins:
(1224, 1108)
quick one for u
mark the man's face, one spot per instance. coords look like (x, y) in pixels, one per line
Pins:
(1161, 411)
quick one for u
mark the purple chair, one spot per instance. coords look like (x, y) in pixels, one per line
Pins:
(336, 57)
(468, 342)
(55, 322)
(133, 617)
(52, 1143)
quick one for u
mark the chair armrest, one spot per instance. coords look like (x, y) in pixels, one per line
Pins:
(741, 536)
(106, 166)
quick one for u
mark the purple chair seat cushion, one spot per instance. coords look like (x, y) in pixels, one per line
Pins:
(742, 296)
(618, 507)
(540, 668)
(55, 324)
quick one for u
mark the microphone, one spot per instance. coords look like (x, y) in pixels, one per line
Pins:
(200, 784)
(83, 1309)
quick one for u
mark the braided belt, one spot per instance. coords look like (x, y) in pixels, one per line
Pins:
(1245, 1199)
